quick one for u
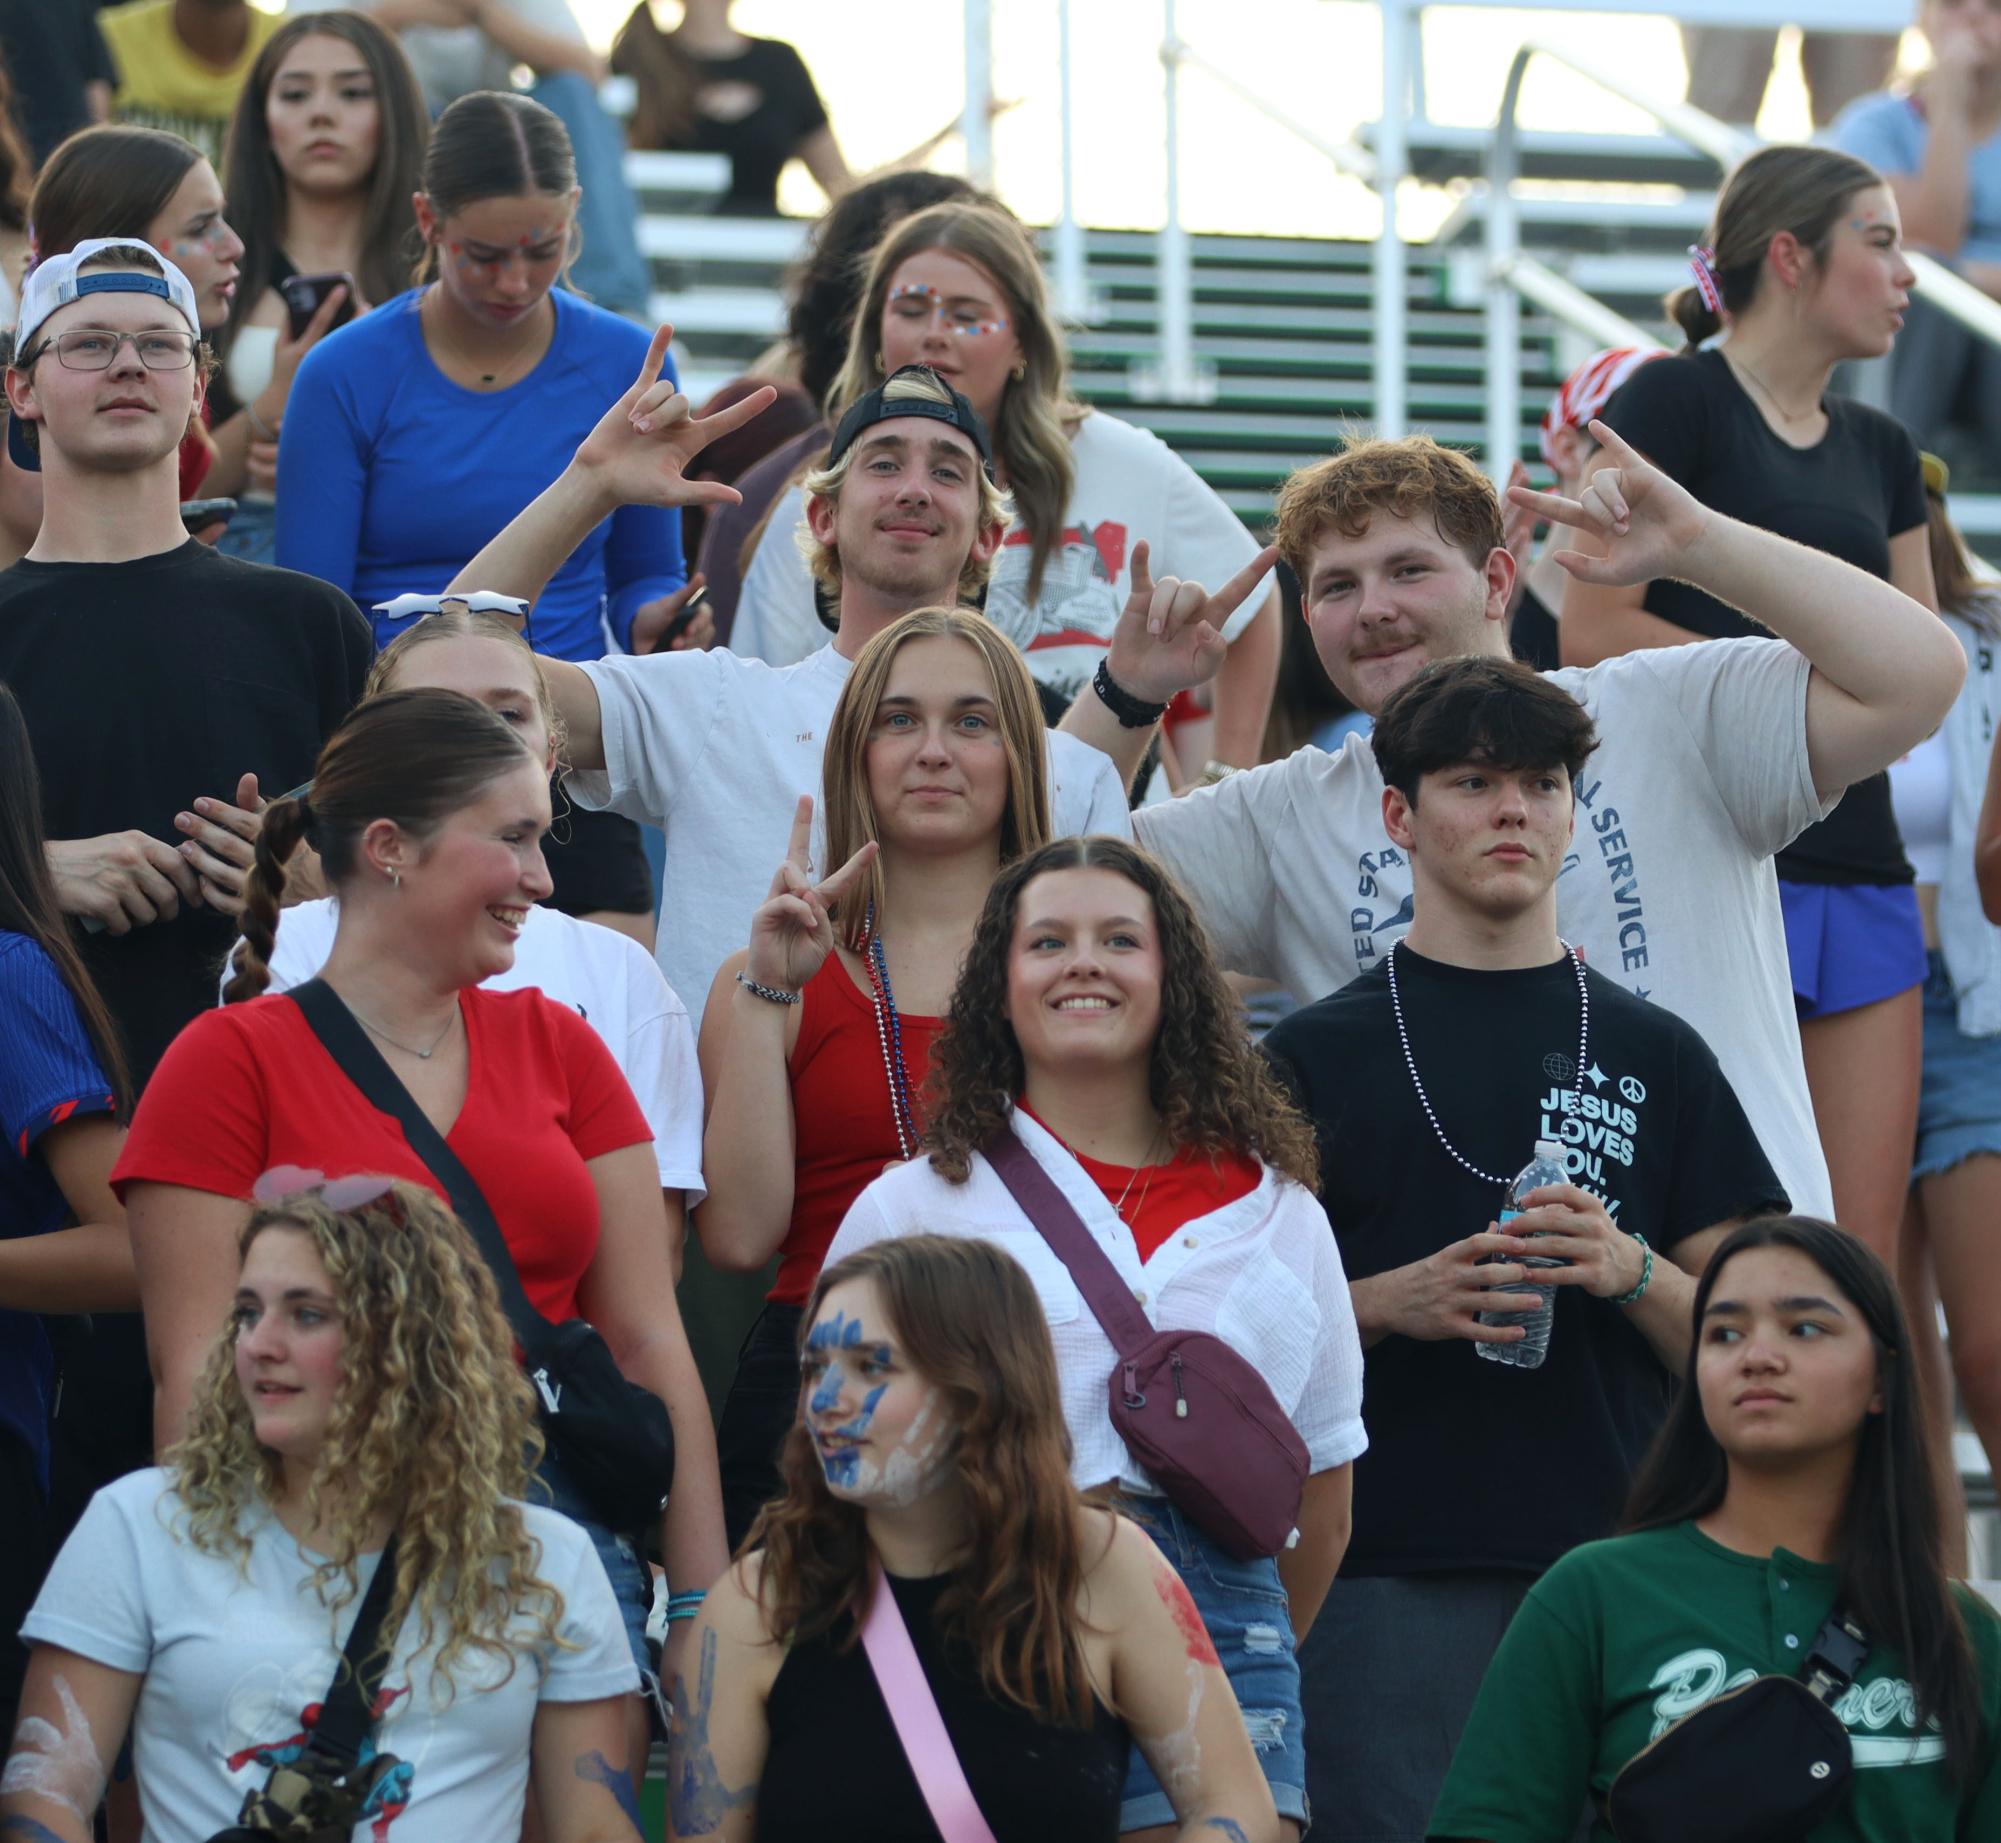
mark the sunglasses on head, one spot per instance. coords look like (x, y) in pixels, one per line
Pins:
(282, 1183)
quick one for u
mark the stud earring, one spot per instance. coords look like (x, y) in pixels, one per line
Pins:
(1020, 370)
(879, 365)
(396, 879)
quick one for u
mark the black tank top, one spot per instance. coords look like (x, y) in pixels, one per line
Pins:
(835, 1767)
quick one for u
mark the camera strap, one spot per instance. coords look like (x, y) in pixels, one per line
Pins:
(347, 1714)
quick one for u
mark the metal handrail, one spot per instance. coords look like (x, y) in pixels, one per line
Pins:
(1178, 378)
(1511, 275)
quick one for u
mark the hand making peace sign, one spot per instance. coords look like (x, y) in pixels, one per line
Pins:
(1169, 635)
(792, 934)
(1647, 524)
(642, 447)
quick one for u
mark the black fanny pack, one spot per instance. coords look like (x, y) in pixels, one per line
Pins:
(323, 1794)
(612, 1437)
(1763, 1763)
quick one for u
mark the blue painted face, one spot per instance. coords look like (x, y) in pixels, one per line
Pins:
(879, 1429)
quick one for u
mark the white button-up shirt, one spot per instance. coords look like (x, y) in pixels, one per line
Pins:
(1262, 1273)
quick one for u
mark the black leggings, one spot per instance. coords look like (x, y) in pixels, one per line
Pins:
(757, 1414)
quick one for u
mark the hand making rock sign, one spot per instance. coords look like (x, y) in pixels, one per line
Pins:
(1169, 636)
(792, 934)
(1647, 524)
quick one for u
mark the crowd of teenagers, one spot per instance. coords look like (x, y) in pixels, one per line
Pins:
(1445, 1407)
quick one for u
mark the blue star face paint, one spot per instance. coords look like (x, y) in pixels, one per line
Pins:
(882, 1433)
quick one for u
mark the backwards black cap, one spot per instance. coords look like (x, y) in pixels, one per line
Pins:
(912, 390)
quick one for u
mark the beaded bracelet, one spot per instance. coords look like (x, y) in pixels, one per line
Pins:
(1646, 1275)
(771, 994)
(683, 1606)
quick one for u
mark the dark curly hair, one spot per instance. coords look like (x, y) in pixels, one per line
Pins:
(1212, 1089)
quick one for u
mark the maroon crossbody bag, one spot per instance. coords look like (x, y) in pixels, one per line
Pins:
(1199, 1419)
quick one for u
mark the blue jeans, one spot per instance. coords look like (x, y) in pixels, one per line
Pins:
(1243, 1605)
(631, 1579)
(609, 268)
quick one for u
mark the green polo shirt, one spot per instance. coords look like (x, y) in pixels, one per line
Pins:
(1621, 1638)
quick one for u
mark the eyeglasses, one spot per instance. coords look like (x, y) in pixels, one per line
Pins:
(284, 1182)
(88, 349)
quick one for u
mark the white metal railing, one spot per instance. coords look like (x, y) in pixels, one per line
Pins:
(1403, 110)
(1511, 274)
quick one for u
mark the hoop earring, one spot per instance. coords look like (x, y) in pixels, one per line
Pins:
(879, 365)
(396, 879)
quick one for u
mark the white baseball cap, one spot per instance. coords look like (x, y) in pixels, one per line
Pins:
(56, 282)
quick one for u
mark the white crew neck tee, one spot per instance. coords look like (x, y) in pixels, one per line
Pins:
(236, 1651)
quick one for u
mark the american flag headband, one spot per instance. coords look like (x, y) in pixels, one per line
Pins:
(1702, 265)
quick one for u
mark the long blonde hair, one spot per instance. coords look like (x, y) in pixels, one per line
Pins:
(1031, 435)
(851, 817)
(433, 1425)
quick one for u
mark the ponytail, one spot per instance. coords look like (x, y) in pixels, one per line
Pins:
(283, 830)
(1800, 191)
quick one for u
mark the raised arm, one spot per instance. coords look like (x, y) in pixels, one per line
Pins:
(1168, 638)
(748, 1152)
(1885, 668)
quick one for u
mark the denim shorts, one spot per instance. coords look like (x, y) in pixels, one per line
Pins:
(1243, 1605)
(631, 1579)
(1851, 944)
(1959, 1098)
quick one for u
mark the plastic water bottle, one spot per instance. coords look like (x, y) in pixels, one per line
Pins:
(1546, 1167)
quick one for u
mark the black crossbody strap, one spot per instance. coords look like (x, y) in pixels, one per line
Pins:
(361, 1062)
(1054, 1217)
(348, 1713)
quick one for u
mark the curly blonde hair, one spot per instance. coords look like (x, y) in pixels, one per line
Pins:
(1213, 1089)
(433, 1424)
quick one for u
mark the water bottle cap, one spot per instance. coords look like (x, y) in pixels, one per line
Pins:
(1549, 1148)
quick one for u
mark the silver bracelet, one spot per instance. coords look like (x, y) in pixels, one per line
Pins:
(771, 994)
(257, 423)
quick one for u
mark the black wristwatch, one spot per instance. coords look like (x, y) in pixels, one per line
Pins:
(1133, 713)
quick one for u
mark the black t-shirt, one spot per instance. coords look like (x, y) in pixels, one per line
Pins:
(835, 1767)
(52, 49)
(150, 683)
(1473, 1464)
(1849, 495)
(761, 141)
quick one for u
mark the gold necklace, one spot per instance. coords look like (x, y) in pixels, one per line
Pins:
(1119, 1208)
(1771, 396)
(457, 352)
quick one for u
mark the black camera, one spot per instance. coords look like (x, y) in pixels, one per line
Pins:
(309, 1801)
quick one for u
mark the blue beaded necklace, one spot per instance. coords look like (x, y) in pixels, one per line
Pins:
(889, 1035)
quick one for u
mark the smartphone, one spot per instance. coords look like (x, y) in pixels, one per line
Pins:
(305, 294)
(199, 514)
(679, 624)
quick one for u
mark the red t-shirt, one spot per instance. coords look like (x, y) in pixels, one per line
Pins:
(845, 1132)
(249, 1087)
(1160, 1198)
(196, 458)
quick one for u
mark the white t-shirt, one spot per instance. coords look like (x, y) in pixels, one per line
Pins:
(234, 1652)
(1700, 775)
(715, 750)
(607, 978)
(1262, 1273)
(1130, 485)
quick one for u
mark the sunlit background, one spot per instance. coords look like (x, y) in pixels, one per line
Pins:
(891, 75)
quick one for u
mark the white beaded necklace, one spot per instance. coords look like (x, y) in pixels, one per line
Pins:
(1424, 1100)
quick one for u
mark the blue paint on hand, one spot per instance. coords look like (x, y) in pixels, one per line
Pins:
(615, 1779)
(698, 1800)
(1230, 1828)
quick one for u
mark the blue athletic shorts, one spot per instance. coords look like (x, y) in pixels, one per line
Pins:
(1243, 1605)
(1851, 944)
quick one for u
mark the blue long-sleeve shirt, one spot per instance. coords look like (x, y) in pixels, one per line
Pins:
(391, 477)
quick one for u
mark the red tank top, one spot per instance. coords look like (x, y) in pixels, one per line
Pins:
(844, 1127)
